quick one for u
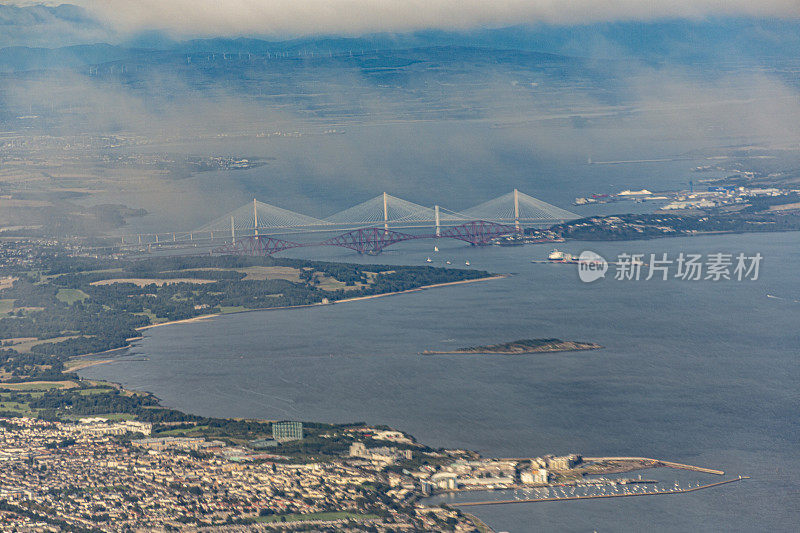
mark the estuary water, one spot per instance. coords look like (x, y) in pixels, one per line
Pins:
(699, 372)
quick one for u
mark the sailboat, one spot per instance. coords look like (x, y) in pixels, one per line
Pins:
(428, 260)
(466, 263)
(435, 248)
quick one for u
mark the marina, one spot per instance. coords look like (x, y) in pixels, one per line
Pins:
(608, 491)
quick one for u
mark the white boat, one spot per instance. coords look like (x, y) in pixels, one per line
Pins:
(559, 256)
(448, 262)
(466, 263)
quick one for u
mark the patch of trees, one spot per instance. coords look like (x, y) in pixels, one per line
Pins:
(112, 312)
(86, 318)
(92, 404)
(31, 366)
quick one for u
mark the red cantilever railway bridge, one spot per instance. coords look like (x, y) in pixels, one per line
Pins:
(372, 240)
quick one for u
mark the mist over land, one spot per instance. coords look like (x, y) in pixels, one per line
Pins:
(442, 114)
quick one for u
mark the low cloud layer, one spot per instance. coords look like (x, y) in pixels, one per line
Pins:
(282, 18)
(524, 129)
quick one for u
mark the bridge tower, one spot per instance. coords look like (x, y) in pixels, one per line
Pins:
(385, 211)
(516, 209)
(255, 217)
(436, 214)
(233, 232)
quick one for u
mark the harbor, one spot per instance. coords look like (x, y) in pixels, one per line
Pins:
(613, 491)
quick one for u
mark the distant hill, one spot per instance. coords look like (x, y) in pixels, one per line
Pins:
(40, 37)
(676, 40)
(23, 58)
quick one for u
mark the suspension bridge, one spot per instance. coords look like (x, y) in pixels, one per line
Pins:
(259, 228)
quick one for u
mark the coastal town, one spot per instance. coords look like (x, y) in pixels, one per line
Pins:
(97, 475)
(102, 474)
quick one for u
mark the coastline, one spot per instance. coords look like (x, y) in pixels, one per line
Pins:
(344, 300)
(77, 364)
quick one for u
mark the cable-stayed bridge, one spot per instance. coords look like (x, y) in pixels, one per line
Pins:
(259, 228)
(386, 209)
(259, 215)
(519, 207)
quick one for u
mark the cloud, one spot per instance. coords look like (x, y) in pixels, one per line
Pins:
(29, 24)
(280, 18)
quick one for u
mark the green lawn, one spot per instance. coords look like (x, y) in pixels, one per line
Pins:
(182, 431)
(70, 296)
(153, 318)
(6, 305)
(25, 346)
(38, 385)
(327, 516)
(91, 392)
(16, 407)
(232, 309)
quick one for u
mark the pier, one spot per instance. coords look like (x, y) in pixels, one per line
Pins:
(659, 462)
(651, 463)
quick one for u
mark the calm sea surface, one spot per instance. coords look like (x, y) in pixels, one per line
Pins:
(699, 372)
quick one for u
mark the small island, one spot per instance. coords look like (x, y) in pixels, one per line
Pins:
(523, 346)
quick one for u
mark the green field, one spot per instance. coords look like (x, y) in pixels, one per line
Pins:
(70, 296)
(233, 309)
(38, 385)
(182, 432)
(6, 305)
(325, 516)
(90, 392)
(153, 318)
(16, 407)
(25, 346)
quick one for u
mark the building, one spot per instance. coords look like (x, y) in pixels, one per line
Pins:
(357, 449)
(166, 443)
(284, 431)
(444, 480)
(564, 462)
(101, 426)
(382, 454)
(485, 481)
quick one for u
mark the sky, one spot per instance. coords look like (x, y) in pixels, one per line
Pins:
(287, 18)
